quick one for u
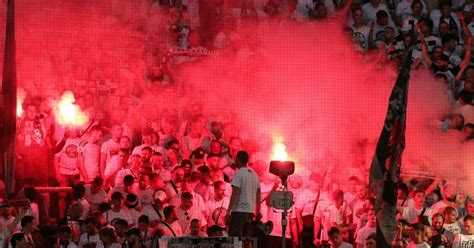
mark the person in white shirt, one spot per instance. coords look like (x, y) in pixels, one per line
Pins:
(406, 8)
(133, 169)
(420, 236)
(465, 239)
(109, 238)
(335, 239)
(195, 230)
(117, 210)
(95, 195)
(132, 204)
(155, 211)
(109, 151)
(371, 8)
(360, 31)
(416, 213)
(365, 231)
(440, 236)
(216, 205)
(187, 211)
(445, 14)
(78, 193)
(337, 214)
(146, 233)
(451, 220)
(89, 155)
(66, 166)
(245, 200)
(149, 139)
(157, 163)
(64, 236)
(173, 187)
(144, 192)
(169, 227)
(90, 237)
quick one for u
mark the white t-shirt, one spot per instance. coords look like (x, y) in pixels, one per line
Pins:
(411, 214)
(361, 36)
(89, 239)
(4, 233)
(111, 149)
(91, 155)
(67, 158)
(403, 9)
(95, 199)
(166, 232)
(247, 180)
(164, 174)
(198, 202)
(332, 215)
(362, 234)
(122, 214)
(86, 206)
(155, 148)
(370, 11)
(145, 197)
(345, 245)
(121, 174)
(149, 211)
(455, 227)
(216, 209)
(307, 200)
(422, 245)
(463, 241)
(185, 217)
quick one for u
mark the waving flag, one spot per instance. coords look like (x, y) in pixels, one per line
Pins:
(9, 100)
(386, 164)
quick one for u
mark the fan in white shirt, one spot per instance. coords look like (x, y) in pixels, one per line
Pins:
(109, 150)
(95, 195)
(117, 210)
(64, 235)
(420, 236)
(89, 155)
(109, 238)
(90, 236)
(365, 231)
(336, 239)
(157, 162)
(170, 227)
(218, 202)
(414, 213)
(144, 192)
(466, 239)
(451, 220)
(131, 202)
(133, 169)
(155, 211)
(195, 230)
(188, 212)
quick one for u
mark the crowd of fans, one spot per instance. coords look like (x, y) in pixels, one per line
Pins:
(131, 186)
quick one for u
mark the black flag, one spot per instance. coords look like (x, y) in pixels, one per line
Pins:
(9, 99)
(386, 164)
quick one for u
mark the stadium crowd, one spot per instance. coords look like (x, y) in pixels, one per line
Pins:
(134, 184)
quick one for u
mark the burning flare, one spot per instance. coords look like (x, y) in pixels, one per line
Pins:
(67, 113)
(279, 149)
(19, 102)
